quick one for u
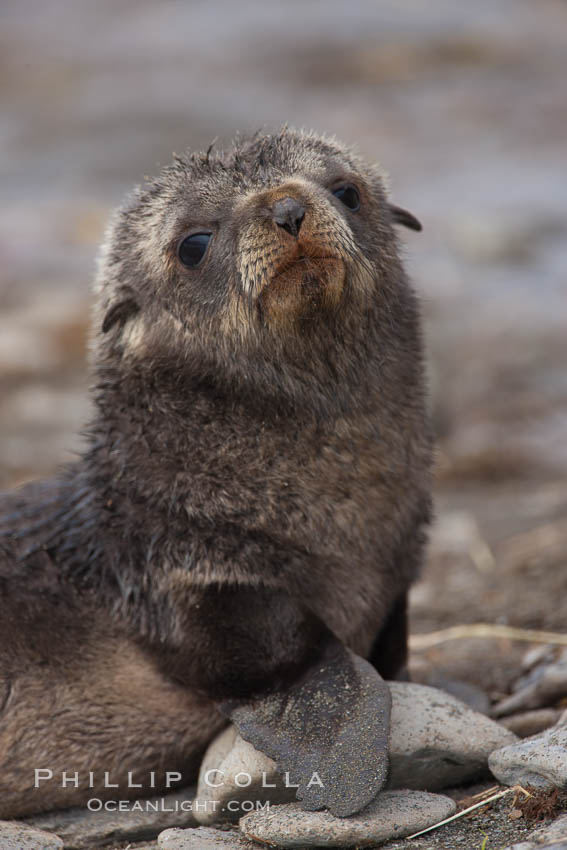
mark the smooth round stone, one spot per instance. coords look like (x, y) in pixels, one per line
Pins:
(199, 838)
(529, 723)
(437, 741)
(18, 836)
(232, 773)
(80, 827)
(540, 761)
(466, 692)
(394, 814)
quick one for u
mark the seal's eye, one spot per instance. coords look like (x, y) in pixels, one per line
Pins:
(348, 195)
(192, 249)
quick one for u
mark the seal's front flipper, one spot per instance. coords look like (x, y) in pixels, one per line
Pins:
(292, 688)
(328, 730)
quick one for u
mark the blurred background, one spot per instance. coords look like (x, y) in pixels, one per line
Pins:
(464, 104)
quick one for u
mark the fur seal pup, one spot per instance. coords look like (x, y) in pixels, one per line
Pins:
(242, 528)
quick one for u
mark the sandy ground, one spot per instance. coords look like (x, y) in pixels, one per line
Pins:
(465, 105)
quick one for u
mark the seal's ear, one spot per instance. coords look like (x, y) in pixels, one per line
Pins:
(120, 312)
(401, 216)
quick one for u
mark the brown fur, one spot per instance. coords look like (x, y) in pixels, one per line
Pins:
(260, 434)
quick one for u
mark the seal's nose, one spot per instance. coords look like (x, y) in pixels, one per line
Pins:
(289, 214)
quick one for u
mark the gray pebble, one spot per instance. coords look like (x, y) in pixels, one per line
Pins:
(550, 837)
(544, 687)
(436, 740)
(539, 761)
(83, 828)
(224, 788)
(529, 723)
(543, 653)
(200, 838)
(19, 836)
(468, 693)
(394, 814)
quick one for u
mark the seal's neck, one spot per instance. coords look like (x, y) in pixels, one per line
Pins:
(173, 431)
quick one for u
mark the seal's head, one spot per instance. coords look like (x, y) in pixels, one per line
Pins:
(268, 253)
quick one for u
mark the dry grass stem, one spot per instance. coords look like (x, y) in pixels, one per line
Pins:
(484, 630)
(516, 789)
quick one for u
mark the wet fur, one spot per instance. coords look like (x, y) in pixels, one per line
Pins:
(245, 446)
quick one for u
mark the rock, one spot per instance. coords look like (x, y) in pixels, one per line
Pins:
(543, 653)
(200, 838)
(529, 723)
(19, 836)
(468, 693)
(540, 761)
(142, 819)
(436, 741)
(394, 814)
(545, 686)
(233, 773)
(550, 837)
